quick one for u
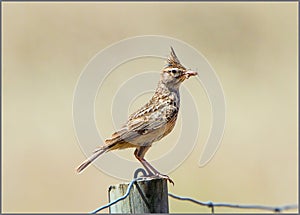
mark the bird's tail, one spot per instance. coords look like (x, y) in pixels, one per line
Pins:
(99, 151)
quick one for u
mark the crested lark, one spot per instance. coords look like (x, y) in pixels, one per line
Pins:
(153, 121)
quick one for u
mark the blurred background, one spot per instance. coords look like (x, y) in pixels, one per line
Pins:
(253, 49)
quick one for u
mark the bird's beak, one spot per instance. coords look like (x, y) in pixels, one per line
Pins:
(189, 74)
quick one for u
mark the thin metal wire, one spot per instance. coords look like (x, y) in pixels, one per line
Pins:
(213, 205)
(118, 199)
(135, 178)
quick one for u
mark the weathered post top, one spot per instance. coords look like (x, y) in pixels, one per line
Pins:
(148, 195)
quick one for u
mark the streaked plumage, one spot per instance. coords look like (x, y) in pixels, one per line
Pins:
(151, 122)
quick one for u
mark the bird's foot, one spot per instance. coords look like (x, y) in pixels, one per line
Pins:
(151, 175)
(159, 175)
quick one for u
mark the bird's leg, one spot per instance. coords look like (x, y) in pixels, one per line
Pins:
(139, 154)
(155, 171)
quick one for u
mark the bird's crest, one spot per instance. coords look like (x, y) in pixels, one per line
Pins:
(173, 60)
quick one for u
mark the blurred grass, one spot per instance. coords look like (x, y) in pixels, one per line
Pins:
(253, 49)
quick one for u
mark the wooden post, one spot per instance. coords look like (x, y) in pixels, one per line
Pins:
(146, 196)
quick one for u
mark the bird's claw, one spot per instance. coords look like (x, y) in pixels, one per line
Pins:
(152, 175)
(165, 177)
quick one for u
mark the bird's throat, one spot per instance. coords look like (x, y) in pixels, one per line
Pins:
(163, 90)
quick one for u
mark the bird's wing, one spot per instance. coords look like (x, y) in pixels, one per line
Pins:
(147, 122)
(147, 119)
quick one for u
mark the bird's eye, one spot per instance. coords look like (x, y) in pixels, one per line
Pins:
(174, 71)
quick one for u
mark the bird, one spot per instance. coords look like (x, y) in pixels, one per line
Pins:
(151, 122)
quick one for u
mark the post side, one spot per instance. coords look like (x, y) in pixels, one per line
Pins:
(149, 195)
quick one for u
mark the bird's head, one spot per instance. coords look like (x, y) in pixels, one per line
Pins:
(175, 73)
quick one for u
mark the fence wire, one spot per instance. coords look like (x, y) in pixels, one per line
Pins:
(211, 205)
(118, 199)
